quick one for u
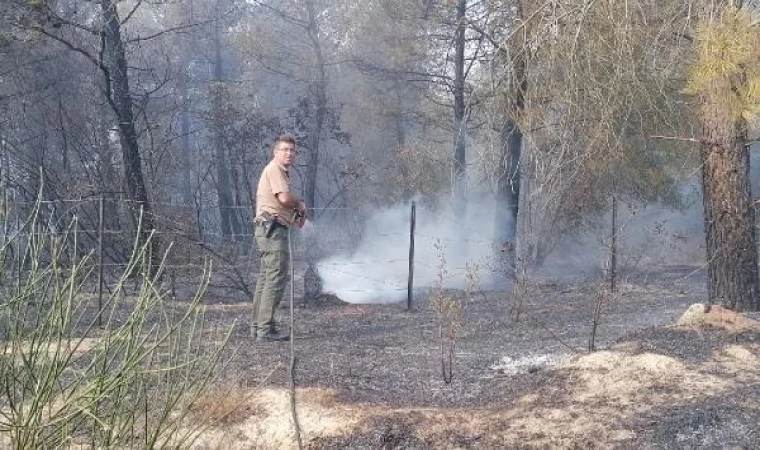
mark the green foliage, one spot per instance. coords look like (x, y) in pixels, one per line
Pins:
(67, 382)
(727, 70)
(603, 104)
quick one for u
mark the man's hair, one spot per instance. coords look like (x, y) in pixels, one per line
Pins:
(284, 138)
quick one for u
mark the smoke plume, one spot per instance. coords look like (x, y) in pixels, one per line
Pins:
(377, 271)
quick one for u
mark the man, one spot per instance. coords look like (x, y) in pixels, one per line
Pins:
(277, 209)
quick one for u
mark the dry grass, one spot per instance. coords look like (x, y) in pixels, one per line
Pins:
(368, 375)
(269, 425)
(75, 347)
(594, 400)
(715, 316)
(225, 405)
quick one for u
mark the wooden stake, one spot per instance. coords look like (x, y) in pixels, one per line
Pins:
(410, 285)
(101, 226)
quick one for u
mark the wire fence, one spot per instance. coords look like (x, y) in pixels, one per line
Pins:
(105, 229)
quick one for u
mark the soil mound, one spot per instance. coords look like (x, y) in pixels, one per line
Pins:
(715, 316)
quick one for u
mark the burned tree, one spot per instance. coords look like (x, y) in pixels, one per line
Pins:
(113, 64)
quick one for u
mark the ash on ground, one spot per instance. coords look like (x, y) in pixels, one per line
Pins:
(528, 364)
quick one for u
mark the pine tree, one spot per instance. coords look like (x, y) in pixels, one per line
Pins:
(726, 81)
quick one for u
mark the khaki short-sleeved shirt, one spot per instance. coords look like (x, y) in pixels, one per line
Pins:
(274, 180)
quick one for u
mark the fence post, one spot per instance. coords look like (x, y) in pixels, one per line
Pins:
(18, 242)
(613, 246)
(101, 226)
(410, 284)
(173, 279)
(145, 263)
(6, 211)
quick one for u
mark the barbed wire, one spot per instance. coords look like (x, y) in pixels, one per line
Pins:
(232, 236)
(373, 290)
(454, 238)
(222, 261)
(194, 238)
(363, 263)
(180, 225)
(110, 198)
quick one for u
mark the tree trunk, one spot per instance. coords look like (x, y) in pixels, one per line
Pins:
(122, 105)
(399, 117)
(230, 223)
(319, 91)
(64, 136)
(459, 165)
(728, 210)
(184, 119)
(508, 184)
(314, 139)
(614, 244)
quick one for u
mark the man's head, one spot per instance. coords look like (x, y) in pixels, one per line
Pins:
(285, 149)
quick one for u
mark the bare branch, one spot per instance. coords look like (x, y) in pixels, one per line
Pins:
(129, 16)
(676, 138)
(97, 62)
(282, 15)
(166, 31)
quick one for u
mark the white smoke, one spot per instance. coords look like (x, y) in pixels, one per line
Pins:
(377, 271)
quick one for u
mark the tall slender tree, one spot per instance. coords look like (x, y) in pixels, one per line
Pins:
(113, 63)
(318, 90)
(459, 162)
(229, 217)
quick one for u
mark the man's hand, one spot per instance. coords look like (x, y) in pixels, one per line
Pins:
(301, 208)
(300, 219)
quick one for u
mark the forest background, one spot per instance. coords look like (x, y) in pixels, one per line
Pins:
(531, 124)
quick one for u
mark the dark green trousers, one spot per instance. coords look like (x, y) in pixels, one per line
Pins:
(273, 276)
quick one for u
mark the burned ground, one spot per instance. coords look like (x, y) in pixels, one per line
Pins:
(369, 376)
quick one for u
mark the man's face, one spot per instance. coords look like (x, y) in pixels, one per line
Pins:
(285, 153)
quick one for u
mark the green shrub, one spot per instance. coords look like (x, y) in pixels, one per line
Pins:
(66, 381)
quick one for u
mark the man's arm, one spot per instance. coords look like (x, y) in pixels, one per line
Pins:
(292, 201)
